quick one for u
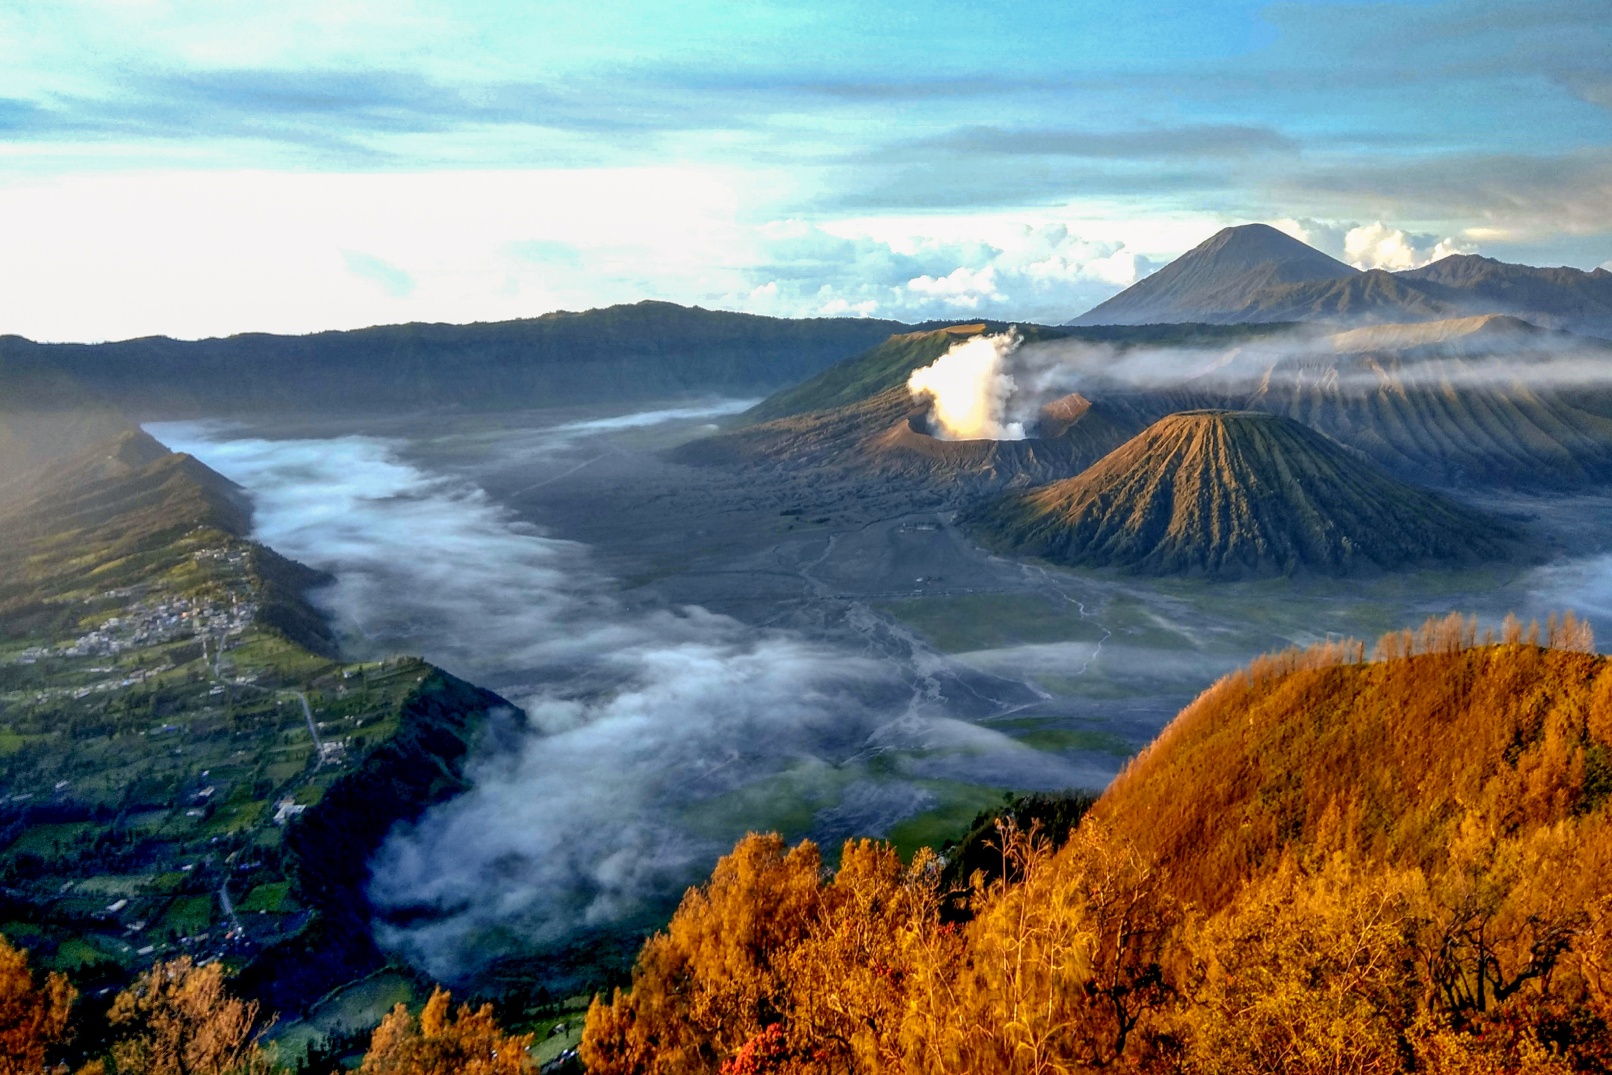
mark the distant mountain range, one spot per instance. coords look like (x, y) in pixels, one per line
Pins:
(1255, 273)
(1232, 494)
(646, 350)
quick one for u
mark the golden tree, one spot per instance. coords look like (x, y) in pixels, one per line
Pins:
(1064, 962)
(440, 1042)
(33, 1014)
(848, 979)
(1308, 974)
(178, 1019)
(1505, 912)
(719, 974)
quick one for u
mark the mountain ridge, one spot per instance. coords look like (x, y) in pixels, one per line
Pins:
(644, 350)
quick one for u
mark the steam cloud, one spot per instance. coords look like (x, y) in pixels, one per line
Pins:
(657, 736)
(969, 389)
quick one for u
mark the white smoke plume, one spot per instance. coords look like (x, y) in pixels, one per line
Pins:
(1467, 352)
(969, 387)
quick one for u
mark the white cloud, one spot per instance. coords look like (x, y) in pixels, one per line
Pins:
(963, 288)
(1374, 245)
(842, 308)
(1038, 272)
(1325, 236)
(206, 253)
(1377, 246)
(391, 279)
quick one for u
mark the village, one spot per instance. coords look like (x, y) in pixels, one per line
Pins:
(164, 617)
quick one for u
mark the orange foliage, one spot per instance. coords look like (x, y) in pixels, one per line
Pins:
(1376, 759)
(1060, 967)
(33, 1015)
(771, 963)
(1323, 865)
(1307, 973)
(178, 1019)
(441, 1042)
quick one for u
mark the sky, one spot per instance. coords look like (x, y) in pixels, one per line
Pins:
(203, 168)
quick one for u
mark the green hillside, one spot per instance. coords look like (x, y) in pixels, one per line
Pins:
(866, 375)
(165, 791)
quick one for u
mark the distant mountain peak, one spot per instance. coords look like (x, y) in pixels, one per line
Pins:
(1217, 278)
(1255, 273)
(1257, 244)
(1561, 297)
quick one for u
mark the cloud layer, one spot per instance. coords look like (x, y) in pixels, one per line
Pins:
(992, 387)
(1375, 245)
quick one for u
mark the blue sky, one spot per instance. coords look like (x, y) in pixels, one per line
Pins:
(204, 168)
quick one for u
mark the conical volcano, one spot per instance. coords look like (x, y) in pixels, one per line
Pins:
(1223, 274)
(1232, 494)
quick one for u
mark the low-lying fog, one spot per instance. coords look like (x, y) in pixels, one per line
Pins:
(639, 717)
(661, 730)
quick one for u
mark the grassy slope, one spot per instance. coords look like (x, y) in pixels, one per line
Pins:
(1379, 760)
(866, 375)
(1235, 494)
